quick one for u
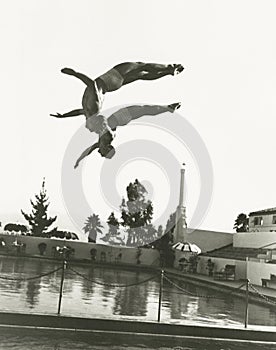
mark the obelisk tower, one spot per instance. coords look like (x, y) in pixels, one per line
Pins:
(181, 225)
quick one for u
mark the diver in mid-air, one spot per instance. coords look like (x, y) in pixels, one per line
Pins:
(120, 75)
(107, 126)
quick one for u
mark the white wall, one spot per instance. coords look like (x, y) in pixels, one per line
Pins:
(254, 239)
(240, 271)
(220, 264)
(256, 270)
(128, 255)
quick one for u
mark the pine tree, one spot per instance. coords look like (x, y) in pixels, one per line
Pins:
(38, 219)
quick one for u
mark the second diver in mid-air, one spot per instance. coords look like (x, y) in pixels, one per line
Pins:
(107, 126)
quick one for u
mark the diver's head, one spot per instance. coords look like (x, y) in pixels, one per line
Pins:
(107, 151)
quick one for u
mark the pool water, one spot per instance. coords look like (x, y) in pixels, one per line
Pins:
(100, 298)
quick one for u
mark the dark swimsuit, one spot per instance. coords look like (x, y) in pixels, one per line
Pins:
(112, 80)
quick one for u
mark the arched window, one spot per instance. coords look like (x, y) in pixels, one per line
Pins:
(42, 248)
(93, 253)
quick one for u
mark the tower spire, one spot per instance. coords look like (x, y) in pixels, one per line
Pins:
(181, 225)
(182, 178)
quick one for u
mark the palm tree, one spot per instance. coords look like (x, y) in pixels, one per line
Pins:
(93, 227)
(241, 223)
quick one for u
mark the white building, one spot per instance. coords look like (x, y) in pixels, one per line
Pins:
(263, 220)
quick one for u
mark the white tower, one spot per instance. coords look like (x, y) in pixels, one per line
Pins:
(181, 224)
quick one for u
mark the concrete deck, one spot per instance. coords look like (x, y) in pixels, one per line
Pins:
(225, 286)
(10, 321)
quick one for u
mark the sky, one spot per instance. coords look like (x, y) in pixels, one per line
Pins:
(227, 90)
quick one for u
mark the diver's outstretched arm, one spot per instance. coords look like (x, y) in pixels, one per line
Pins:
(73, 113)
(125, 115)
(86, 153)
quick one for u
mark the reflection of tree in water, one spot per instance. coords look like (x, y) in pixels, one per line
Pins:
(13, 265)
(33, 286)
(107, 291)
(177, 303)
(33, 291)
(69, 279)
(87, 286)
(131, 301)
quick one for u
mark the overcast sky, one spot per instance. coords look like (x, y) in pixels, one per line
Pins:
(227, 92)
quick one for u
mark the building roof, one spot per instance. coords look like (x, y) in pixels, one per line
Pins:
(230, 252)
(263, 212)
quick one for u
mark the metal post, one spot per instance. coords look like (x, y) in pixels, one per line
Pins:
(61, 283)
(246, 304)
(160, 294)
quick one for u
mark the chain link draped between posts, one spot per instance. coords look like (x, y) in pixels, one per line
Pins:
(262, 295)
(30, 278)
(115, 285)
(199, 295)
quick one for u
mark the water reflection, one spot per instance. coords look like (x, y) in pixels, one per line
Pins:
(131, 301)
(87, 287)
(84, 298)
(32, 293)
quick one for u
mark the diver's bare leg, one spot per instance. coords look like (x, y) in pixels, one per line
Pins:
(74, 113)
(140, 111)
(125, 115)
(151, 71)
(85, 79)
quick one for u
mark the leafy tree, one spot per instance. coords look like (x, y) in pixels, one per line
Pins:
(113, 224)
(38, 219)
(136, 213)
(241, 223)
(93, 227)
(113, 235)
(151, 234)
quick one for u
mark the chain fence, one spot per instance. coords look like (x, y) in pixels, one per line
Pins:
(116, 285)
(30, 278)
(154, 277)
(185, 291)
(261, 295)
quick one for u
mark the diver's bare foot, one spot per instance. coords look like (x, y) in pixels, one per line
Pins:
(174, 106)
(68, 71)
(178, 68)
